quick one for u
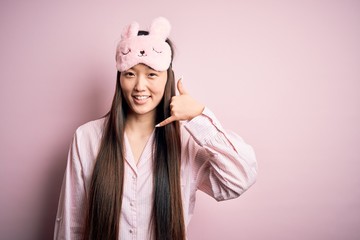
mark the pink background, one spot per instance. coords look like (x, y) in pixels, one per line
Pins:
(285, 75)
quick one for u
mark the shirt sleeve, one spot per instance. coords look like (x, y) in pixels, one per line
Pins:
(225, 166)
(71, 214)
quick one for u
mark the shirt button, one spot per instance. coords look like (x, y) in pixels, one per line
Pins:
(134, 177)
(131, 231)
(132, 204)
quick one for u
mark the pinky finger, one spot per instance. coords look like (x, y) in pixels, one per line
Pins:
(166, 121)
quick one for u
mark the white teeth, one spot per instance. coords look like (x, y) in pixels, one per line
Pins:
(141, 97)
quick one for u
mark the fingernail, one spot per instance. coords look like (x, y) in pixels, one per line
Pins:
(157, 125)
(182, 78)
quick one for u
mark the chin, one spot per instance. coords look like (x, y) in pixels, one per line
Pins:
(143, 111)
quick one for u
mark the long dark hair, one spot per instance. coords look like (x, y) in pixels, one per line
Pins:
(106, 190)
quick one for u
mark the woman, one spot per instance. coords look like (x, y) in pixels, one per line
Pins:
(134, 173)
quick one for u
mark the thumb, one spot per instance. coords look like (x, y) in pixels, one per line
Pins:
(180, 86)
(166, 121)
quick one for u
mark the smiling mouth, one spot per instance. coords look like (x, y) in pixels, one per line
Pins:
(141, 97)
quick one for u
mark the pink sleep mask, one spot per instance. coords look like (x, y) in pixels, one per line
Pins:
(151, 49)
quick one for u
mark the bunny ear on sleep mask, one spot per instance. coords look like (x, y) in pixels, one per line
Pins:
(152, 49)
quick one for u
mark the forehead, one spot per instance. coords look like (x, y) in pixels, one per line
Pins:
(142, 67)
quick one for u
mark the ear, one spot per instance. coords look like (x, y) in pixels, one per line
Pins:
(130, 30)
(160, 27)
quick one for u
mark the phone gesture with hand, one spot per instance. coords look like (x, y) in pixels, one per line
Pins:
(182, 107)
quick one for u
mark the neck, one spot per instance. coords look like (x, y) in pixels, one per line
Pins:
(143, 124)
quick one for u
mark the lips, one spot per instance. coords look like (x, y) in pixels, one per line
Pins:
(140, 99)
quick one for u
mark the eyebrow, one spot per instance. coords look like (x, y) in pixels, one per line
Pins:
(151, 68)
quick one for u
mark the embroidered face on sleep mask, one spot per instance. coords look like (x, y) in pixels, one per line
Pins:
(151, 49)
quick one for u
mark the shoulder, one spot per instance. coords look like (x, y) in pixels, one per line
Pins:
(91, 130)
(86, 142)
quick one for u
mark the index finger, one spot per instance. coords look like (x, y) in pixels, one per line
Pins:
(166, 121)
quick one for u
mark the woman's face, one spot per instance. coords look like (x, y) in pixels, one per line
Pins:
(143, 89)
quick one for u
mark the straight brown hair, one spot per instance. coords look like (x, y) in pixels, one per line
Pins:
(106, 189)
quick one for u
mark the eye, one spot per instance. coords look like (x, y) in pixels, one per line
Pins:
(157, 51)
(153, 75)
(129, 74)
(125, 53)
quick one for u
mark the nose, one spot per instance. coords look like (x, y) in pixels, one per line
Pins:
(142, 52)
(140, 85)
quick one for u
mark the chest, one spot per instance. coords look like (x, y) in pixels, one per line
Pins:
(137, 146)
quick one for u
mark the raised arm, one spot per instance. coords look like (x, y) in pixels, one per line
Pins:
(224, 166)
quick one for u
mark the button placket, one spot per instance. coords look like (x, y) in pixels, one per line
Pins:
(133, 207)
